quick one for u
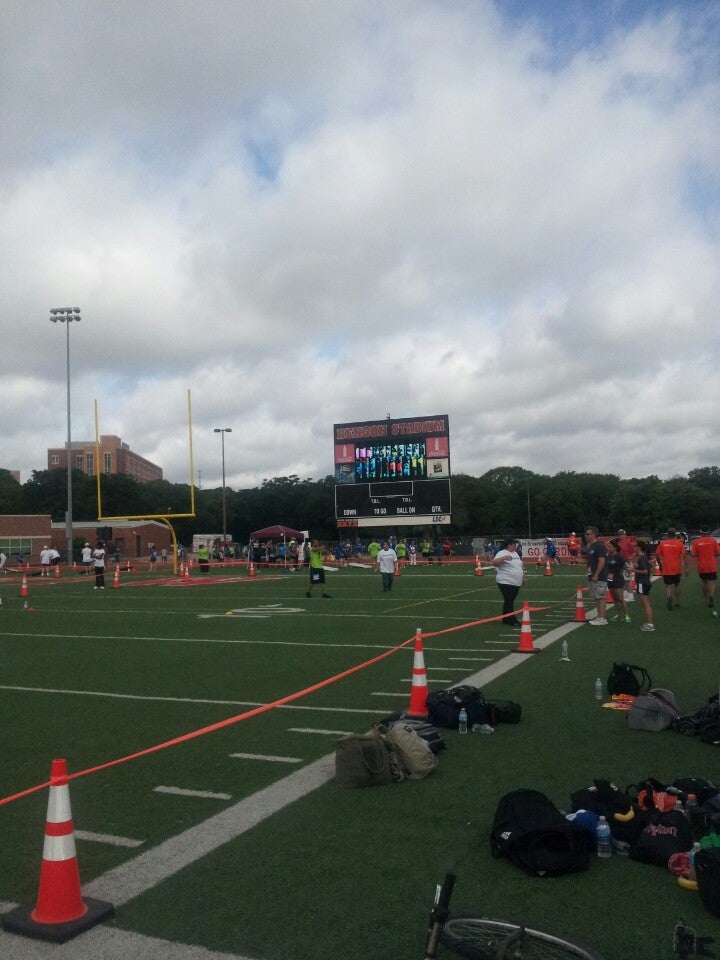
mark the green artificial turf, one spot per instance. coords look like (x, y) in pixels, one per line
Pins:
(349, 872)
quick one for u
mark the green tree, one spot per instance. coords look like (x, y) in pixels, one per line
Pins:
(11, 493)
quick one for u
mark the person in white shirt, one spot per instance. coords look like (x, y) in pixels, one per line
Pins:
(509, 577)
(386, 563)
(99, 560)
(45, 558)
(86, 555)
(3, 561)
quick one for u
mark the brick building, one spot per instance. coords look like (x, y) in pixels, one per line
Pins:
(26, 535)
(115, 457)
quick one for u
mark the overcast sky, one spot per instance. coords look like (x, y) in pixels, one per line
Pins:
(319, 211)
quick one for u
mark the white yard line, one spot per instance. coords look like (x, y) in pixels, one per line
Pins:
(262, 756)
(201, 794)
(107, 838)
(334, 733)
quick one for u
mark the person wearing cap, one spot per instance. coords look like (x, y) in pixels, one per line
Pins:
(45, 558)
(705, 549)
(509, 578)
(86, 555)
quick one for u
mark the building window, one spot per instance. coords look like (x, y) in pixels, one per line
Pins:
(90, 463)
(78, 461)
(107, 463)
(54, 459)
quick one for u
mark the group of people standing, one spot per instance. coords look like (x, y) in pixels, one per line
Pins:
(613, 565)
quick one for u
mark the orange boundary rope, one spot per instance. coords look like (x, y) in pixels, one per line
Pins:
(230, 721)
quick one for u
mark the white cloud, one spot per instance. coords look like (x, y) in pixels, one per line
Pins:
(319, 213)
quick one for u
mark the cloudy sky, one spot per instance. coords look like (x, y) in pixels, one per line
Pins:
(319, 211)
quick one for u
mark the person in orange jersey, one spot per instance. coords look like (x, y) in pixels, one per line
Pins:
(671, 554)
(573, 547)
(706, 550)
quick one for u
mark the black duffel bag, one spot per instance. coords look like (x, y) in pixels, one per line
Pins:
(443, 706)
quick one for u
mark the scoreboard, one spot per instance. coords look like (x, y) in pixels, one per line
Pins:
(392, 471)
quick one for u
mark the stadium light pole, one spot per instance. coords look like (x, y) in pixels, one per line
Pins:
(222, 431)
(66, 315)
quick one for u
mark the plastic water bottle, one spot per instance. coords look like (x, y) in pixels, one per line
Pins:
(462, 721)
(691, 860)
(603, 837)
(564, 655)
(598, 689)
(695, 816)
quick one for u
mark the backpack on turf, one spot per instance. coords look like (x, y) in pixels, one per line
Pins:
(628, 679)
(531, 832)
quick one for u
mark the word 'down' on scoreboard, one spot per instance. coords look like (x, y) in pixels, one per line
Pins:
(392, 471)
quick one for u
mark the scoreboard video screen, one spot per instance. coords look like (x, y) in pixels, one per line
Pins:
(392, 471)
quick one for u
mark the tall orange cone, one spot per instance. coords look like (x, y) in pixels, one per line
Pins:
(187, 572)
(657, 572)
(24, 587)
(116, 578)
(60, 912)
(419, 689)
(548, 571)
(251, 569)
(397, 570)
(478, 568)
(57, 571)
(579, 607)
(526, 637)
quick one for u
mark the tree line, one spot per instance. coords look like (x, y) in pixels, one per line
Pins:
(505, 500)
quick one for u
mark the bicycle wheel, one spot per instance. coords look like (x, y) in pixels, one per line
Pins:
(477, 939)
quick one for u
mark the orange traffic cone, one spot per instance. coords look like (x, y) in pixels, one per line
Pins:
(579, 607)
(478, 568)
(397, 570)
(116, 578)
(187, 572)
(657, 572)
(60, 912)
(526, 637)
(609, 597)
(57, 571)
(419, 689)
(548, 571)
(74, 566)
(24, 587)
(251, 570)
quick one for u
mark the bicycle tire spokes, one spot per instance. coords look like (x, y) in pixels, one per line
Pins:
(476, 939)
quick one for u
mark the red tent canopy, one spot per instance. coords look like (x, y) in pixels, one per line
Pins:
(278, 532)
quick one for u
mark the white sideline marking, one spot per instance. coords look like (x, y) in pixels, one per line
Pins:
(7, 907)
(107, 838)
(148, 869)
(262, 756)
(338, 733)
(202, 794)
(107, 943)
(379, 693)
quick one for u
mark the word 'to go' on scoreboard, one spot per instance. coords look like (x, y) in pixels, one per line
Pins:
(392, 472)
